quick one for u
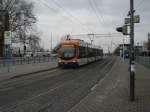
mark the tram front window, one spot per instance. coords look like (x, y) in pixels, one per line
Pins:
(67, 52)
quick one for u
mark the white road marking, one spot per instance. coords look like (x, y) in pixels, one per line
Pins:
(6, 89)
(94, 87)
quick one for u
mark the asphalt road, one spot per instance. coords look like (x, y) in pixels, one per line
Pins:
(57, 90)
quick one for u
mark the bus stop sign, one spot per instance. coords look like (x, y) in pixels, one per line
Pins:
(7, 37)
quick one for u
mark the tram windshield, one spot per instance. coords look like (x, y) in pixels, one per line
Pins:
(67, 52)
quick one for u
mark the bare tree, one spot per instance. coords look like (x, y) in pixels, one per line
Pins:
(21, 18)
(34, 42)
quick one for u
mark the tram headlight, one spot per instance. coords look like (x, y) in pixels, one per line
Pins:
(59, 61)
(74, 61)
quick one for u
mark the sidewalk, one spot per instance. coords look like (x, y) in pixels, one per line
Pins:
(19, 70)
(112, 92)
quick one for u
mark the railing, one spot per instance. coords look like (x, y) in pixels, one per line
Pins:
(143, 60)
(5, 62)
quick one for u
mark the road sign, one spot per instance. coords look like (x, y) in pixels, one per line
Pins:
(123, 29)
(136, 19)
(7, 37)
(148, 35)
(126, 20)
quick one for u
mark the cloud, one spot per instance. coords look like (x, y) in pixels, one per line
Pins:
(78, 16)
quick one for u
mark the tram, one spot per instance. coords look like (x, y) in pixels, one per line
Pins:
(76, 52)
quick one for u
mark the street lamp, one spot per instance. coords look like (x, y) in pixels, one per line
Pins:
(24, 36)
(90, 38)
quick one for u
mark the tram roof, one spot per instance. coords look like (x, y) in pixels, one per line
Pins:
(79, 43)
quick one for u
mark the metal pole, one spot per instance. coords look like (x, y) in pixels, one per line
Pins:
(51, 42)
(24, 33)
(132, 69)
(2, 27)
(92, 39)
(123, 49)
(1, 4)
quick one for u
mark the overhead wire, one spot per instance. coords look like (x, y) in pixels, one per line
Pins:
(94, 7)
(53, 10)
(139, 4)
(95, 3)
(70, 15)
(45, 3)
(100, 15)
(102, 35)
(95, 12)
(100, 18)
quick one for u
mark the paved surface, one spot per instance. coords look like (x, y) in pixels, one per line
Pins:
(19, 70)
(57, 90)
(90, 88)
(111, 94)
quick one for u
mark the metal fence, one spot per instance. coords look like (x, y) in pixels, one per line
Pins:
(143, 60)
(24, 60)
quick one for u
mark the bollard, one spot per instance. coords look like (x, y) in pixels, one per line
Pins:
(4, 62)
(132, 85)
(21, 60)
(8, 66)
(34, 59)
(39, 59)
(28, 60)
(48, 59)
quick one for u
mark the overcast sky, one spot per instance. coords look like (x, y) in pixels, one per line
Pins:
(61, 17)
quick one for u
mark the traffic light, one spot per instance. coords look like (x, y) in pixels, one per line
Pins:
(119, 29)
(24, 48)
(123, 29)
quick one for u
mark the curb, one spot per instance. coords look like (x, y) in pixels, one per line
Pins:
(31, 73)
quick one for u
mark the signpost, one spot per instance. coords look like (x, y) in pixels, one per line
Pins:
(136, 19)
(2, 26)
(127, 21)
(132, 55)
(7, 43)
(149, 43)
(130, 22)
(1, 4)
(7, 37)
(148, 35)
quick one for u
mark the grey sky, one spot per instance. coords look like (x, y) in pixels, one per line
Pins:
(78, 17)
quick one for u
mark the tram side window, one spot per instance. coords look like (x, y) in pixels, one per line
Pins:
(82, 52)
(97, 52)
(100, 53)
(90, 52)
(94, 52)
